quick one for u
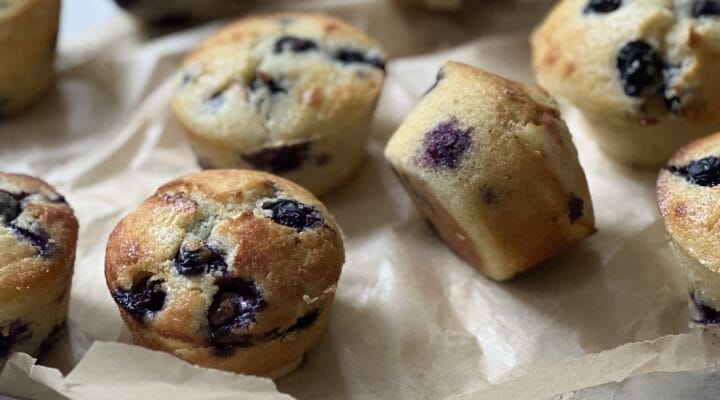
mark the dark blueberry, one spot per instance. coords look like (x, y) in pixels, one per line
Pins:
(293, 214)
(216, 101)
(301, 323)
(349, 56)
(444, 145)
(640, 67)
(705, 7)
(233, 310)
(440, 75)
(126, 3)
(39, 239)
(576, 208)
(703, 172)
(706, 315)
(51, 339)
(262, 80)
(9, 207)
(602, 6)
(12, 332)
(279, 159)
(196, 257)
(146, 297)
(294, 44)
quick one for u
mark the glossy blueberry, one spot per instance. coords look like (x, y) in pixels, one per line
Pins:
(234, 309)
(12, 332)
(294, 214)
(279, 159)
(706, 315)
(444, 145)
(294, 44)
(39, 239)
(145, 298)
(576, 208)
(350, 56)
(602, 6)
(196, 257)
(703, 172)
(9, 207)
(264, 81)
(640, 67)
(706, 8)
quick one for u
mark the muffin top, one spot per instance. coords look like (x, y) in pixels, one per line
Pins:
(689, 199)
(645, 59)
(38, 233)
(225, 258)
(277, 80)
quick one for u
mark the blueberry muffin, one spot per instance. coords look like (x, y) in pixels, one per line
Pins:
(38, 233)
(289, 94)
(181, 12)
(689, 201)
(491, 165)
(643, 72)
(28, 32)
(435, 5)
(228, 269)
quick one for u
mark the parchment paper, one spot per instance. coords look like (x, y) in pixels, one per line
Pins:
(411, 320)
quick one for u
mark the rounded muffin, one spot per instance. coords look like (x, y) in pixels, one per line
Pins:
(228, 269)
(28, 33)
(689, 201)
(643, 72)
(38, 234)
(181, 12)
(289, 94)
(491, 164)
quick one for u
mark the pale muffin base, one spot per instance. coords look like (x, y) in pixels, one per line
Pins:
(703, 283)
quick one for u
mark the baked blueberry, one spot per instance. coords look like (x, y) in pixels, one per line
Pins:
(294, 214)
(640, 67)
(703, 8)
(145, 298)
(294, 44)
(265, 81)
(279, 159)
(352, 56)
(445, 145)
(703, 172)
(576, 207)
(196, 257)
(234, 308)
(602, 6)
(39, 239)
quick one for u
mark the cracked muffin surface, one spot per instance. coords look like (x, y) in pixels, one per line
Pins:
(289, 94)
(491, 165)
(38, 235)
(643, 72)
(228, 269)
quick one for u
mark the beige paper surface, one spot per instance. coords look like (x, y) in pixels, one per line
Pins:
(411, 320)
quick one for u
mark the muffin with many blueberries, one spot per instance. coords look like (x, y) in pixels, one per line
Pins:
(642, 72)
(38, 234)
(228, 269)
(289, 94)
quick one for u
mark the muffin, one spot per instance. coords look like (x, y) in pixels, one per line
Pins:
(228, 269)
(689, 201)
(289, 94)
(38, 233)
(491, 165)
(28, 32)
(643, 73)
(181, 12)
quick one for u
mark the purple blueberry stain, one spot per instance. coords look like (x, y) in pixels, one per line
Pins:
(602, 6)
(234, 310)
(294, 214)
(145, 298)
(576, 208)
(294, 44)
(351, 56)
(11, 333)
(445, 145)
(196, 257)
(702, 8)
(703, 172)
(279, 159)
(640, 67)
(37, 238)
(705, 315)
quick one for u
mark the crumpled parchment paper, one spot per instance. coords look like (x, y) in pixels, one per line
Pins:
(411, 320)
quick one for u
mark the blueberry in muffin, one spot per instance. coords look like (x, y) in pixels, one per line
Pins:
(643, 73)
(38, 234)
(229, 269)
(289, 94)
(28, 32)
(689, 200)
(491, 165)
